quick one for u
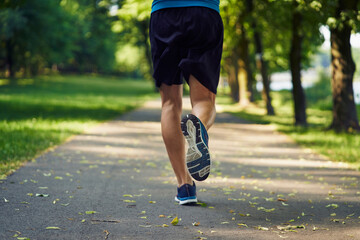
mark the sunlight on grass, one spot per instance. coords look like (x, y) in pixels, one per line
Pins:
(44, 112)
(337, 146)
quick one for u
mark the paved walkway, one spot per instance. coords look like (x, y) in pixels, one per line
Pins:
(115, 182)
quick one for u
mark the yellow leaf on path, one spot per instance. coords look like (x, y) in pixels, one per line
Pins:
(53, 228)
(90, 212)
(242, 225)
(165, 225)
(175, 221)
(162, 216)
(262, 228)
(196, 224)
(152, 201)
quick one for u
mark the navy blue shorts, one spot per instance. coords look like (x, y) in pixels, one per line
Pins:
(184, 41)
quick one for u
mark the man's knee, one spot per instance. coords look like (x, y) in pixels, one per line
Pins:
(172, 106)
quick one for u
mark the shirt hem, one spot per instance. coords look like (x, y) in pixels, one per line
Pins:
(159, 6)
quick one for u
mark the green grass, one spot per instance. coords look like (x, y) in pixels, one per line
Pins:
(39, 113)
(340, 147)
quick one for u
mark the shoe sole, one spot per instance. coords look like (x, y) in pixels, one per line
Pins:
(198, 156)
(187, 201)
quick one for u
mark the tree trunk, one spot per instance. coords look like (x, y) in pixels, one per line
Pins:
(295, 67)
(232, 72)
(246, 75)
(244, 70)
(10, 58)
(343, 68)
(261, 63)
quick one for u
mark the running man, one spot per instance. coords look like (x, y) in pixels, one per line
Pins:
(186, 43)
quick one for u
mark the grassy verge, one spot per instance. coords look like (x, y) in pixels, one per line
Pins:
(42, 112)
(337, 146)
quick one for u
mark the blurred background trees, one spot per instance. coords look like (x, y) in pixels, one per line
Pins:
(262, 37)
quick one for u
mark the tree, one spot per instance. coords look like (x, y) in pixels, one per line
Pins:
(295, 66)
(133, 28)
(236, 54)
(37, 34)
(260, 62)
(343, 66)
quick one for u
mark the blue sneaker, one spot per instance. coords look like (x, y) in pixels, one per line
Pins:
(186, 194)
(197, 156)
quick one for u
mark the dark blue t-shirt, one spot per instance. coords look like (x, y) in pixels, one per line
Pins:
(160, 4)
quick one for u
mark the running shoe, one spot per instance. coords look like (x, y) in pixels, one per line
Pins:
(186, 194)
(197, 156)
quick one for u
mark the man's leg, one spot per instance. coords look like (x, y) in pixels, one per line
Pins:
(171, 98)
(203, 102)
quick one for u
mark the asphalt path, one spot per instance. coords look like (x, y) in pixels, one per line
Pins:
(115, 182)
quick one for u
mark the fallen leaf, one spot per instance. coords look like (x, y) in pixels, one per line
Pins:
(152, 201)
(90, 212)
(5, 200)
(53, 228)
(165, 225)
(145, 226)
(242, 225)
(333, 205)
(262, 228)
(196, 224)
(162, 216)
(175, 221)
(245, 215)
(202, 204)
(289, 227)
(41, 195)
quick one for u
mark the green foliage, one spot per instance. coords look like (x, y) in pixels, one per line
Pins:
(356, 57)
(132, 27)
(38, 113)
(274, 24)
(320, 94)
(76, 35)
